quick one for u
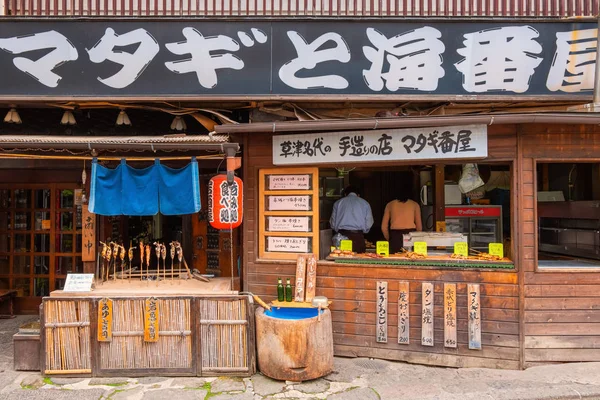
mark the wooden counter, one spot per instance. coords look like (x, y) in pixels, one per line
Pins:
(136, 288)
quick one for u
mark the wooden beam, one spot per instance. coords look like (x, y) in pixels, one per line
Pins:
(439, 198)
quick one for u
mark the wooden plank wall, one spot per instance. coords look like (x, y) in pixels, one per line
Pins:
(561, 309)
(352, 288)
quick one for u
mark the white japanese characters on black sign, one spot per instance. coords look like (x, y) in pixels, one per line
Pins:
(456, 142)
(188, 58)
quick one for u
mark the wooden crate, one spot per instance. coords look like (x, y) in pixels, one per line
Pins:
(66, 329)
(127, 354)
(226, 336)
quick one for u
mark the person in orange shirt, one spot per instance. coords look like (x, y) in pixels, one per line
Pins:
(401, 216)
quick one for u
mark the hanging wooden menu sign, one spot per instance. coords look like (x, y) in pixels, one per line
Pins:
(427, 314)
(289, 182)
(151, 320)
(288, 219)
(311, 277)
(300, 278)
(403, 313)
(474, 307)
(288, 244)
(288, 224)
(105, 318)
(289, 203)
(88, 235)
(450, 338)
(382, 316)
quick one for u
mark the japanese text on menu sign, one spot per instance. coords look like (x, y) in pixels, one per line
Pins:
(288, 212)
(78, 283)
(289, 182)
(457, 142)
(289, 203)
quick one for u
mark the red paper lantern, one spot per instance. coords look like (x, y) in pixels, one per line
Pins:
(225, 202)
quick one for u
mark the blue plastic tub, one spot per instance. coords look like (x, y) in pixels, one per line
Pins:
(292, 313)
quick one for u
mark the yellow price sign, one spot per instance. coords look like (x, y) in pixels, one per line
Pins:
(497, 249)
(420, 248)
(383, 248)
(461, 248)
(346, 245)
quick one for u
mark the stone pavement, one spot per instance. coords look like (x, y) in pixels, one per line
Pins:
(353, 379)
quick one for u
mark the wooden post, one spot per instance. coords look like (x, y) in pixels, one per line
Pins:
(403, 313)
(474, 307)
(427, 294)
(439, 205)
(450, 315)
(382, 297)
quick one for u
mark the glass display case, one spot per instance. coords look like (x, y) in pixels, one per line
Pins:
(482, 224)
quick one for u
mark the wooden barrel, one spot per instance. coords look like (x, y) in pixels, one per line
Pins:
(294, 350)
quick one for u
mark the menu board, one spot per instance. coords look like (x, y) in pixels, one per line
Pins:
(289, 203)
(288, 244)
(288, 212)
(289, 224)
(289, 182)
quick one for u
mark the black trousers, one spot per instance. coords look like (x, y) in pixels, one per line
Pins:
(396, 239)
(358, 240)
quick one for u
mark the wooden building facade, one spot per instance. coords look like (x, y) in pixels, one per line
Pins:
(529, 315)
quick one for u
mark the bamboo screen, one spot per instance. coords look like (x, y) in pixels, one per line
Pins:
(67, 337)
(127, 349)
(224, 336)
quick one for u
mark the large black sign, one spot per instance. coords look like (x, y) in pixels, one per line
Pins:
(264, 59)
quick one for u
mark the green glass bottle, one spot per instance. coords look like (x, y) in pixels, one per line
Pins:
(288, 290)
(280, 290)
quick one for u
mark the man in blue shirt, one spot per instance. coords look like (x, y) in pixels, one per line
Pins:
(352, 217)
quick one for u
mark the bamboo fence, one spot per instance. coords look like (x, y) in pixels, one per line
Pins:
(224, 340)
(67, 342)
(127, 350)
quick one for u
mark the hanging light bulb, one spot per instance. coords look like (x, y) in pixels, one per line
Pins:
(178, 124)
(68, 118)
(123, 119)
(12, 117)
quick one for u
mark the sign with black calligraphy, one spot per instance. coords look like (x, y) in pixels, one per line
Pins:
(151, 320)
(288, 224)
(300, 278)
(332, 59)
(474, 307)
(88, 235)
(403, 313)
(455, 142)
(288, 244)
(289, 182)
(289, 203)
(382, 314)
(311, 277)
(450, 337)
(427, 314)
(105, 318)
